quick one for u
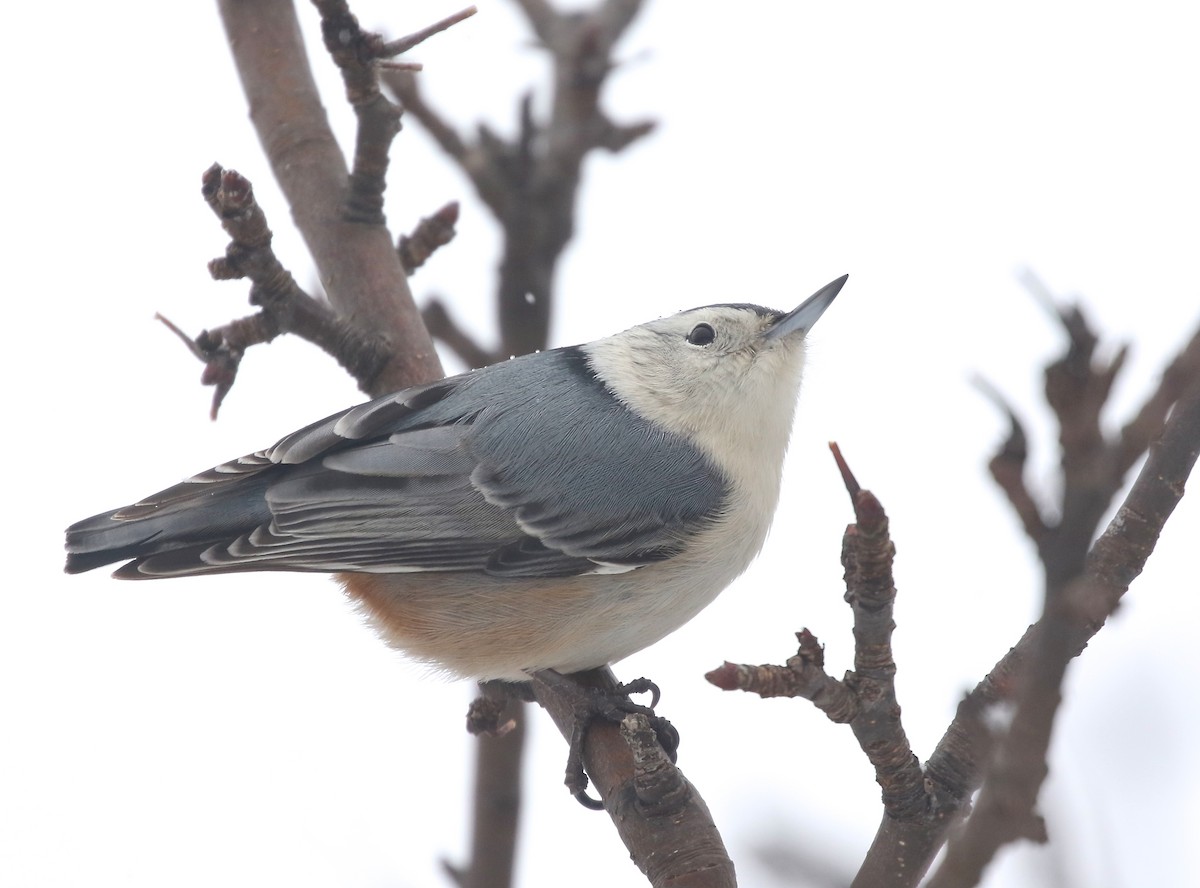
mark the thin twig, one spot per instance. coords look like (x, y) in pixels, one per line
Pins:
(404, 44)
(431, 233)
(1141, 429)
(804, 676)
(866, 698)
(221, 350)
(1007, 468)
(358, 54)
(285, 307)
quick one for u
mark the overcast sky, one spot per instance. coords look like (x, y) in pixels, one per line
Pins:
(252, 731)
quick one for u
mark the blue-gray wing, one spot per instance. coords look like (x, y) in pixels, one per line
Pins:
(527, 468)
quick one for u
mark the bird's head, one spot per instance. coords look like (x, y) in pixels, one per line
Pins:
(725, 376)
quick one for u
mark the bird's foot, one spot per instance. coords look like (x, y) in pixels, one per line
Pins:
(589, 704)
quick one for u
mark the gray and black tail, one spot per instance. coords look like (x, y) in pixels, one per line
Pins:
(175, 526)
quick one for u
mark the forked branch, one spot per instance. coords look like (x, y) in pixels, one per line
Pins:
(865, 698)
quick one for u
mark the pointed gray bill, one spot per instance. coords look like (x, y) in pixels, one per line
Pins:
(802, 318)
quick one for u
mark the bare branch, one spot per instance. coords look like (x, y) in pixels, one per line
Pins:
(358, 264)
(431, 232)
(404, 44)
(531, 184)
(866, 698)
(673, 841)
(1084, 583)
(285, 307)
(658, 785)
(1139, 431)
(358, 54)
(221, 350)
(498, 718)
(1003, 811)
(1008, 468)
(542, 17)
(803, 676)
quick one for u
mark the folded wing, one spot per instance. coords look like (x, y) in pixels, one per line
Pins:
(527, 469)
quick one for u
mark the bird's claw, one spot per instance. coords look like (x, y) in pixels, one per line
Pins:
(589, 704)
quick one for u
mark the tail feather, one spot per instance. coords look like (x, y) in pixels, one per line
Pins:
(101, 539)
(211, 515)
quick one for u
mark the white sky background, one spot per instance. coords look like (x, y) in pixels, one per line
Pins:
(251, 731)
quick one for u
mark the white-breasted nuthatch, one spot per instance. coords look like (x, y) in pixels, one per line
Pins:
(560, 510)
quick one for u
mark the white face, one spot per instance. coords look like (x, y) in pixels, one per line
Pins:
(708, 373)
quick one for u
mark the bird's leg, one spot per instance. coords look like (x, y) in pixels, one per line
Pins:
(588, 704)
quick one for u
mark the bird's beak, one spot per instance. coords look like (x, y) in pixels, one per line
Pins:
(802, 318)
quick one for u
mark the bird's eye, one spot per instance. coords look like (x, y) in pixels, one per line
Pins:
(701, 334)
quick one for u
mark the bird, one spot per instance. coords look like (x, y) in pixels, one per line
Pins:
(556, 511)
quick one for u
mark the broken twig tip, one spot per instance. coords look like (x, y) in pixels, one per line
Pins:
(852, 485)
(402, 66)
(193, 347)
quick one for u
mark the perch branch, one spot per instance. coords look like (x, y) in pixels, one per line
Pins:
(659, 815)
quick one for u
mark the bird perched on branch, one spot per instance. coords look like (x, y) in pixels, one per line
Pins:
(560, 510)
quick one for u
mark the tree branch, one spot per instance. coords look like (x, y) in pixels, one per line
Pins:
(357, 263)
(286, 308)
(1141, 429)
(358, 55)
(659, 815)
(1007, 468)
(431, 233)
(531, 184)
(393, 48)
(866, 698)
(1003, 811)
(498, 719)
(1000, 735)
